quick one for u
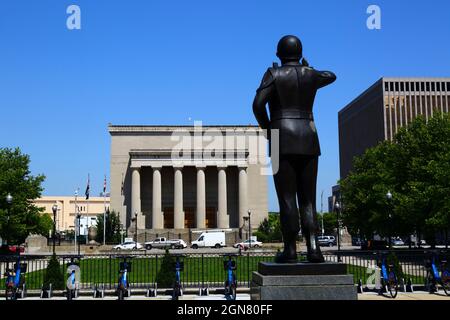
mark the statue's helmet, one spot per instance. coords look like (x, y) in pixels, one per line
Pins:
(289, 48)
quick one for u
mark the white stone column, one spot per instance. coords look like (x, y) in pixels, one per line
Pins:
(136, 197)
(157, 217)
(200, 213)
(243, 201)
(222, 216)
(178, 199)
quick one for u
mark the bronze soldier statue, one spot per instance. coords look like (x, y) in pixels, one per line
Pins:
(290, 91)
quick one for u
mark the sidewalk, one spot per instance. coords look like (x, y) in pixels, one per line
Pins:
(419, 295)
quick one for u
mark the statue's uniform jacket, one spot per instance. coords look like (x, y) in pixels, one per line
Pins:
(290, 91)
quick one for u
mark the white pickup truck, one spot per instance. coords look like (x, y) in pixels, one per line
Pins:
(163, 243)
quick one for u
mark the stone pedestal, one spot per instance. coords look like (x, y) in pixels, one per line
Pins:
(302, 281)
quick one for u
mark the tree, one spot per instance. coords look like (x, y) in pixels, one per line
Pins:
(415, 167)
(329, 222)
(22, 217)
(112, 227)
(54, 275)
(166, 274)
(269, 229)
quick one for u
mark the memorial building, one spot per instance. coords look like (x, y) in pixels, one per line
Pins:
(184, 178)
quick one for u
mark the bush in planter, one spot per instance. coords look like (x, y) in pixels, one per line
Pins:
(166, 274)
(53, 274)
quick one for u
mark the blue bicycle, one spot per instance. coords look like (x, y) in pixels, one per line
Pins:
(389, 281)
(438, 275)
(177, 289)
(230, 282)
(123, 286)
(15, 279)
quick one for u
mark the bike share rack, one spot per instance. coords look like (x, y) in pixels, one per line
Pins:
(46, 294)
(409, 286)
(23, 292)
(152, 292)
(99, 291)
(360, 286)
(203, 291)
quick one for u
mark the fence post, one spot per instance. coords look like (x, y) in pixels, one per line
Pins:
(248, 269)
(203, 273)
(110, 272)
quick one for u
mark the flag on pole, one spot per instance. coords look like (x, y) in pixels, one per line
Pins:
(121, 188)
(104, 186)
(87, 189)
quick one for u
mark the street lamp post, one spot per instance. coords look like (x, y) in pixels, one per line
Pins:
(9, 200)
(55, 209)
(389, 199)
(337, 206)
(136, 228)
(249, 229)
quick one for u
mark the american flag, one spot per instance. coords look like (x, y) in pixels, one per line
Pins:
(87, 188)
(121, 188)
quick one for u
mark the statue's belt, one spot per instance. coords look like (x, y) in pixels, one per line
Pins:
(291, 114)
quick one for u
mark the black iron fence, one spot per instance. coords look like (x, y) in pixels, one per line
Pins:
(206, 270)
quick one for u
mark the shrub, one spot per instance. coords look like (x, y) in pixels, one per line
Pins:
(166, 274)
(54, 275)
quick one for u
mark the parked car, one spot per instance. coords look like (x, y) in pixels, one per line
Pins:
(11, 249)
(397, 242)
(128, 245)
(212, 239)
(374, 245)
(246, 244)
(163, 243)
(328, 241)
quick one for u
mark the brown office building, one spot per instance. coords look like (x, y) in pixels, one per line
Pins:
(379, 112)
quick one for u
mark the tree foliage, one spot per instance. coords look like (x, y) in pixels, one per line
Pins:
(415, 167)
(269, 229)
(166, 274)
(22, 217)
(112, 228)
(54, 275)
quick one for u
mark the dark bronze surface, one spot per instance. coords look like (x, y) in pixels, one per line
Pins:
(289, 91)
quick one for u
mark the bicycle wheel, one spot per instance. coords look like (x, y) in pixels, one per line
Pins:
(429, 283)
(9, 294)
(446, 282)
(392, 284)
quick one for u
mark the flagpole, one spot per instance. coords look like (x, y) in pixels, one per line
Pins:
(104, 212)
(75, 224)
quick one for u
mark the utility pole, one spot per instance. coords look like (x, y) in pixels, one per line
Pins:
(321, 211)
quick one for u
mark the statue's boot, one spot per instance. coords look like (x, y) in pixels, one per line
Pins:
(289, 254)
(314, 253)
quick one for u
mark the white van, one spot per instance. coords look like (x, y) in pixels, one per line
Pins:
(209, 239)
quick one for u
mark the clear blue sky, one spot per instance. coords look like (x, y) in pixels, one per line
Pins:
(59, 89)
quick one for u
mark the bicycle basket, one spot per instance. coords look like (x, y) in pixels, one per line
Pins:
(233, 265)
(125, 265)
(181, 265)
(23, 267)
